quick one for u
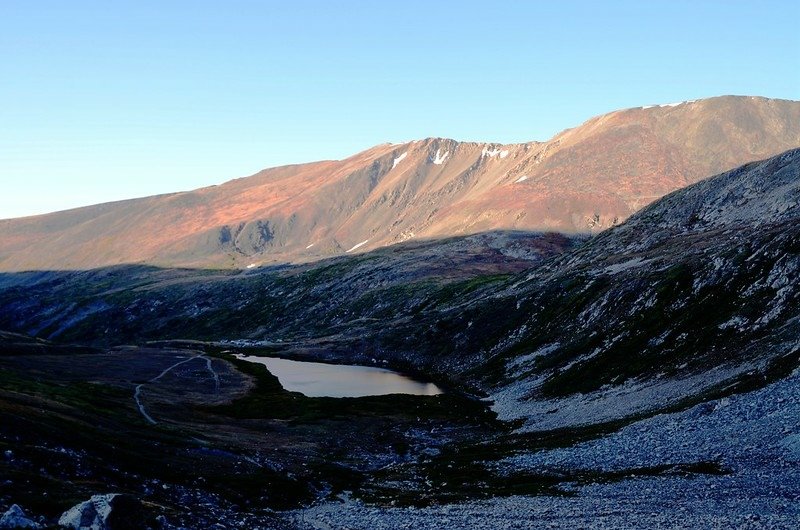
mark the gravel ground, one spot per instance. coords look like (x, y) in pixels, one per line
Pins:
(756, 432)
(639, 503)
(756, 436)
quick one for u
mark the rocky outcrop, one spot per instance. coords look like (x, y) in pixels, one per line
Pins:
(15, 518)
(112, 511)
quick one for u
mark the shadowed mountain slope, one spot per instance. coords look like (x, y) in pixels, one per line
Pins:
(696, 294)
(583, 180)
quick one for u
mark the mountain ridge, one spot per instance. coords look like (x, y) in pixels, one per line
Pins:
(582, 180)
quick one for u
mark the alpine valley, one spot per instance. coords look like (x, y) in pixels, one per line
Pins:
(612, 317)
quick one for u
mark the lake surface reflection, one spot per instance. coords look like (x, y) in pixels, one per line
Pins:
(338, 380)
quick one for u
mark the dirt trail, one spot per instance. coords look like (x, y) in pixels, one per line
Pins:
(137, 394)
(214, 375)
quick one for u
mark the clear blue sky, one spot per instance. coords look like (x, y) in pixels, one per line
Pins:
(107, 100)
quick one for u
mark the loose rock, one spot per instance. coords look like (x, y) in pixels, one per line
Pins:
(105, 512)
(15, 517)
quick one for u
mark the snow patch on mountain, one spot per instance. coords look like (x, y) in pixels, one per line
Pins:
(358, 245)
(399, 159)
(500, 153)
(439, 158)
(669, 104)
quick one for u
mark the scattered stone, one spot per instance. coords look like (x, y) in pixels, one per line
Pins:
(113, 511)
(15, 518)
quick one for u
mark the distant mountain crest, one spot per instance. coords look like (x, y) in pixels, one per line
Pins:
(583, 180)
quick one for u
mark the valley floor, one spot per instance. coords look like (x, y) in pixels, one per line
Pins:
(369, 464)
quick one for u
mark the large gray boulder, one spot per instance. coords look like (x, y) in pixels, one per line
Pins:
(15, 518)
(113, 511)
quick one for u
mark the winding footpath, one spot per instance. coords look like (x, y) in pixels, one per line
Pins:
(137, 393)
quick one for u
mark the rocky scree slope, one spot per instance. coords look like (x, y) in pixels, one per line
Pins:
(694, 296)
(583, 180)
(753, 439)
